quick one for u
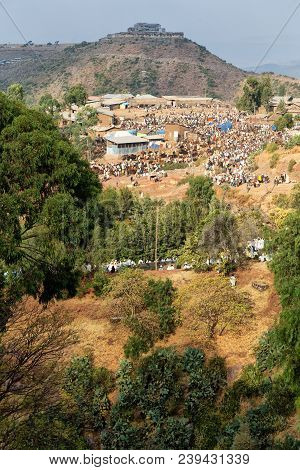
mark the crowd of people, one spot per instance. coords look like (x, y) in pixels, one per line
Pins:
(230, 160)
(145, 164)
(283, 178)
(229, 151)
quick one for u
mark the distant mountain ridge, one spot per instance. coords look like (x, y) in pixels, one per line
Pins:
(288, 70)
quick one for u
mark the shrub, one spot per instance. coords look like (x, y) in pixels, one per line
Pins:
(262, 424)
(232, 399)
(254, 381)
(269, 351)
(174, 166)
(101, 283)
(293, 142)
(284, 122)
(159, 298)
(243, 439)
(271, 147)
(280, 398)
(274, 160)
(281, 200)
(193, 360)
(291, 165)
(136, 346)
(288, 443)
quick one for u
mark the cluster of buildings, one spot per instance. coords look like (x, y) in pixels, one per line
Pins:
(126, 100)
(291, 104)
(120, 143)
(130, 142)
(147, 29)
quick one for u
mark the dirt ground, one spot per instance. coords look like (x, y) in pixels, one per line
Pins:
(262, 197)
(167, 189)
(106, 340)
(170, 188)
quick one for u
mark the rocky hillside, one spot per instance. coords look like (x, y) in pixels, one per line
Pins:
(135, 64)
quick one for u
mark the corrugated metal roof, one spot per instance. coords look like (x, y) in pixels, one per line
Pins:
(112, 102)
(117, 96)
(156, 137)
(188, 98)
(126, 139)
(106, 112)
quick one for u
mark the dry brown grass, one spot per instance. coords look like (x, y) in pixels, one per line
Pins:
(106, 340)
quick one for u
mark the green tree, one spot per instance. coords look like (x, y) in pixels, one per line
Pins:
(251, 98)
(266, 92)
(284, 122)
(88, 387)
(214, 307)
(281, 90)
(49, 105)
(47, 192)
(221, 236)
(15, 91)
(77, 132)
(77, 94)
(281, 107)
(200, 190)
(145, 306)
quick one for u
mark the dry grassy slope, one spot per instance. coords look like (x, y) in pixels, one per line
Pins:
(263, 197)
(106, 340)
(139, 65)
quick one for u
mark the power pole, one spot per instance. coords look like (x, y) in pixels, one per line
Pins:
(156, 238)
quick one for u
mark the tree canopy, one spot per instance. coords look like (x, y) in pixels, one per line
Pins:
(46, 193)
(15, 91)
(76, 94)
(256, 93)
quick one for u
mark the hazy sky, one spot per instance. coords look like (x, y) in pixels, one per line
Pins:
(239, 31)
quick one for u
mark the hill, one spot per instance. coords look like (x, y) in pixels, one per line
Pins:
(137, 64)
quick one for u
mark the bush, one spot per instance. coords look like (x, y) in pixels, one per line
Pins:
(101, 283)
(281, 200)
(136, 346)
(271, 147)
(174, 166)
(254, 381)
(288, 443)
(201, 190)
(159, 298)
(291, 165)
(274, 160)
(293, 142)
(193, 360)
(262, 424)
(284, 122)
(269, 351)
(280, 398)
(231, 403)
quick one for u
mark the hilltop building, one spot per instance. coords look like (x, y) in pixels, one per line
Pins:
(141, 28)
(146, 29)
